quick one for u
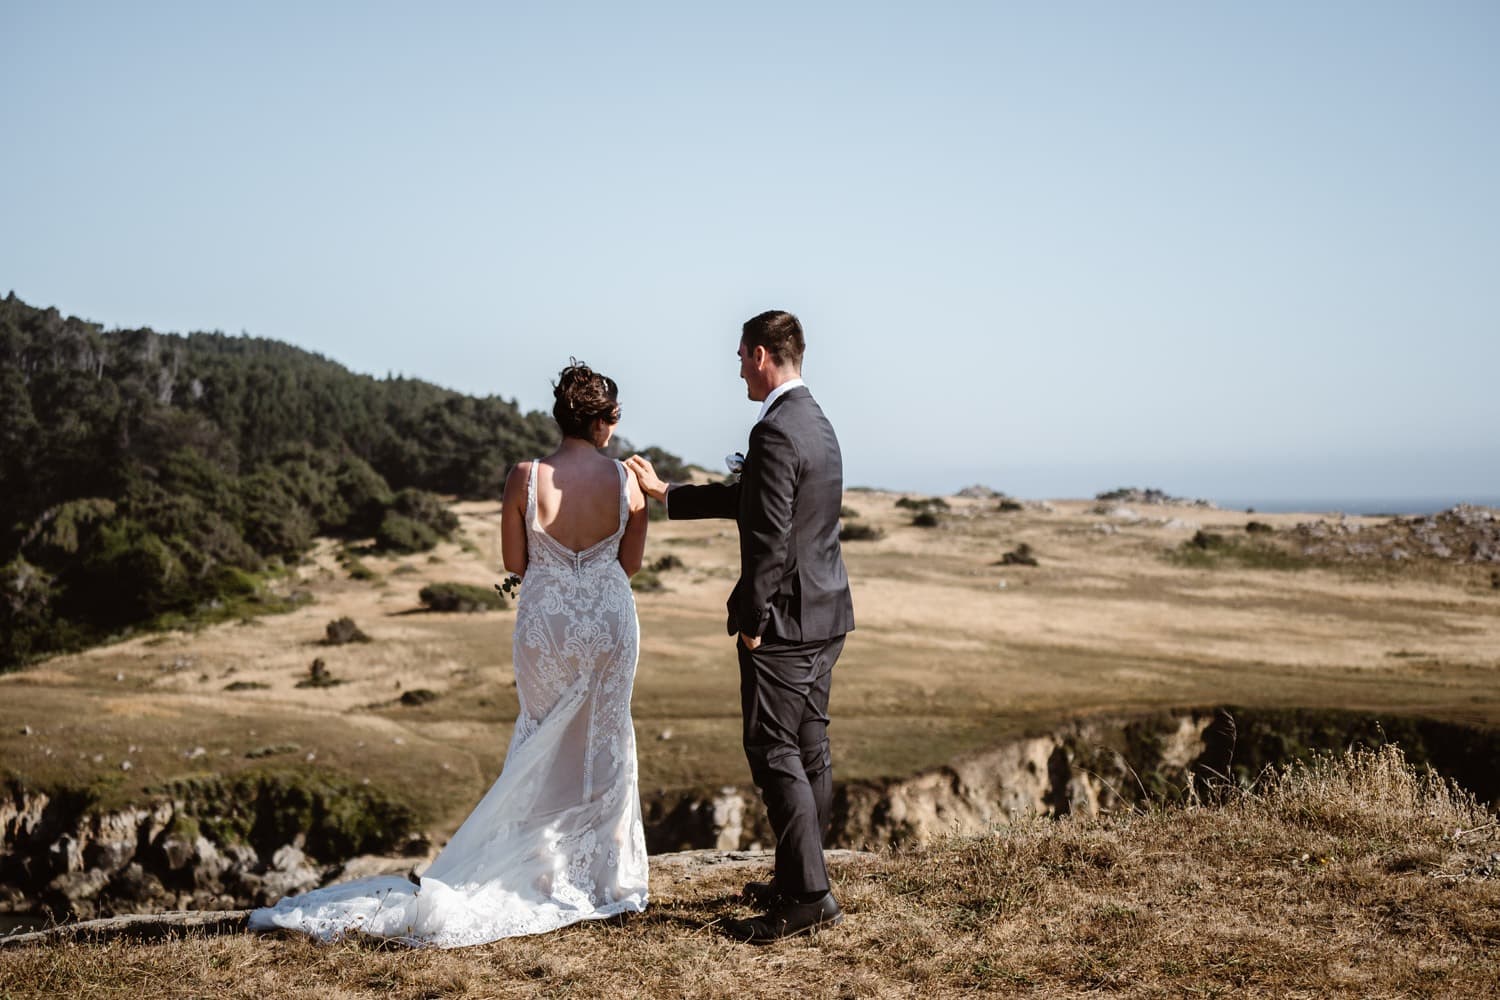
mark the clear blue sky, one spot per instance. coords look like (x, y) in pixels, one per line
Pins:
(1237, 250)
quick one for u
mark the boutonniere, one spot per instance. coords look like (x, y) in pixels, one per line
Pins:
(734, 462)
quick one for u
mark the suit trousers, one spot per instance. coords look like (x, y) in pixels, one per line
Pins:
(784, 697)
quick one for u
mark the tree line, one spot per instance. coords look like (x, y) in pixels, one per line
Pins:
(148, 477)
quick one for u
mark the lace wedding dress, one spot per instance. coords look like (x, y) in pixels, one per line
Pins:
(558, 837)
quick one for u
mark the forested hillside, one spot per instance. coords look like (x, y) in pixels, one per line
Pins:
(146, 477)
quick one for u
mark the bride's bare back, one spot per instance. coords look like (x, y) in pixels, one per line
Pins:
(578, 498)
(577, 504)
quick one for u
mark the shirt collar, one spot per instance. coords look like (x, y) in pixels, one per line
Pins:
(776, 394)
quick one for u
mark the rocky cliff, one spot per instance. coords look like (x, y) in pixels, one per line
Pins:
(64, 859)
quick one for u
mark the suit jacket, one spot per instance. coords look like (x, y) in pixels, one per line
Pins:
(793, 584)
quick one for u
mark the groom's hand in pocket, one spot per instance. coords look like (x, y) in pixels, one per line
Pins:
(752, 642)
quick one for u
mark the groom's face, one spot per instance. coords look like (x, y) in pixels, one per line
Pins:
(750, 372)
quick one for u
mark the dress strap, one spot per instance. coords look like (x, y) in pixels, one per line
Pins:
(531, 493)
(624, 494)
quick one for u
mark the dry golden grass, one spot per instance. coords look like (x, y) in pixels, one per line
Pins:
(944, 659)
(1350, 877)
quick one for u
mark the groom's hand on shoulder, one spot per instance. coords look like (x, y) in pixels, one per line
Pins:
(645, 474)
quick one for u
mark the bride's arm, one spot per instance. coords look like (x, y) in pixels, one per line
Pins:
(633, 545)
(513, 520)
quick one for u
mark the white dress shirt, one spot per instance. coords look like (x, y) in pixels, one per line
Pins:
(776, 394)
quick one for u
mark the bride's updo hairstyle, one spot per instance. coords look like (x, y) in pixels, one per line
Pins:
(582, 396)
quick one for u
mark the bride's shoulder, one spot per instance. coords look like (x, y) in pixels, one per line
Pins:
(515, 481)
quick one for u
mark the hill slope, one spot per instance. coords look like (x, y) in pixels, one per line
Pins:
(145, 475)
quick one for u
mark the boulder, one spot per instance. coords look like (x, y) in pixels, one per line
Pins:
(73, 895)
(134, 888)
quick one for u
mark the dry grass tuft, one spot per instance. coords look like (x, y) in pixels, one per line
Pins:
(1349, 876)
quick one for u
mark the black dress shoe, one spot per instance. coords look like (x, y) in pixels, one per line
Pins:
(787, 919)
(762, 894)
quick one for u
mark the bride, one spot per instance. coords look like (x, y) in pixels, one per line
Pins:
(558, 837)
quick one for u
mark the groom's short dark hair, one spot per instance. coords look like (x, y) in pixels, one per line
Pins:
(779, 333)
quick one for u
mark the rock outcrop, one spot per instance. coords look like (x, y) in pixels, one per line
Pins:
(1461, 534)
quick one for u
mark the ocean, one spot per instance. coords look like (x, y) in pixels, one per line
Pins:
(1406, 506)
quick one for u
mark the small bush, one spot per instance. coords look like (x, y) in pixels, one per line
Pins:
(246, 686)
(1207, 550)
(847, 511)
(1021, 555)
(647, 582)
(461, 597)
(1207, 541)
(926, 519)
(318, 676)
(343, 630)
(1009, 506)
(418, 696)
(1258, 528)
(426, 508)
(273, 750)
(860, 533)
(399, 533)
(922, 503)
(667, 562)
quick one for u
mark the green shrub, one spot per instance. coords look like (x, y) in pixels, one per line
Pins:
(461, 597)
(1207, 550)
(860, 532)
(127, 574)
(426, 508)
(399, 533)
(1021, 555)
(275, 524)
(358, 570)
(365, 495)
(341, 631)
(187, 471)
(925, 519)
(922, 503)
(61, 532)
(647, 582)
(25, 611)
(318, 676)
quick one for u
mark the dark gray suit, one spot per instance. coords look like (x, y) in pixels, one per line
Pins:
(793, 593)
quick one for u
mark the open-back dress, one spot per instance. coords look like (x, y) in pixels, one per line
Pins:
(558, 837)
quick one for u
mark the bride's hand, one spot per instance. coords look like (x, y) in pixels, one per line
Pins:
(645, 474)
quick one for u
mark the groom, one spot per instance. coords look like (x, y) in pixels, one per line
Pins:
(791, 609)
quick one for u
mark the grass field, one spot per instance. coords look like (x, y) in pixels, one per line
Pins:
(952, 652)
(1354, 877)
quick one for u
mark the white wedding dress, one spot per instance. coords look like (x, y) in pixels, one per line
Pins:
(558, 837)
